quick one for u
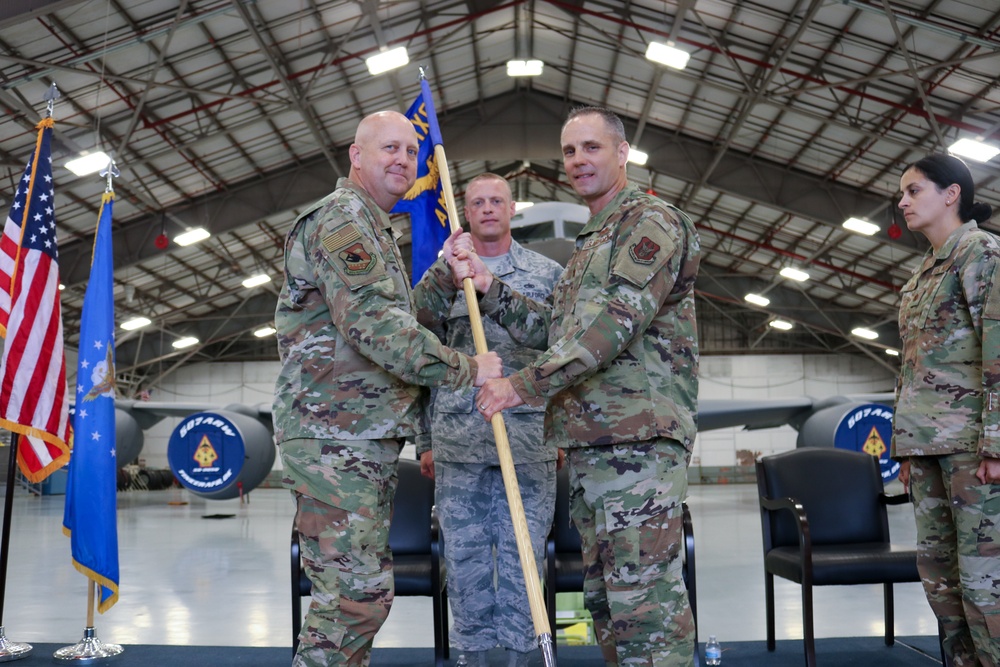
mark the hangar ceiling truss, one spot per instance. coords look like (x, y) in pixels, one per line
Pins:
(791, 116)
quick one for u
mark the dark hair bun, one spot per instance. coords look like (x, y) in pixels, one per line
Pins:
(981, 212)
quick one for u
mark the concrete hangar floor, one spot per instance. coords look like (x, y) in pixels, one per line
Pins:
(216, 573)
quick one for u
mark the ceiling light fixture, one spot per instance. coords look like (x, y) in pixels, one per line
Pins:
(255, 280)
(780, 324)
(136, 323)
(667, 54)
(87, 164)
(867, 334)
(387, 60)
(861, 226)
(637, 156)
(524, 67)
(757, 299)
(192, 236)
(891, 352)
(794, 274)
(521, 205)
(187, 341)
(974, 149)
(264, 331)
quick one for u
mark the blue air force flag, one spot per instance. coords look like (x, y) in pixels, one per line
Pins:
(90, 517)
(425, 200)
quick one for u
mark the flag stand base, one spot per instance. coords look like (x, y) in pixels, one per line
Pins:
(12, 650)
(89, 650)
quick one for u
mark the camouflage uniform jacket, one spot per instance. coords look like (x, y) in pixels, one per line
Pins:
(622, 362)
(460, 435)
(351, 351)
(949, 322)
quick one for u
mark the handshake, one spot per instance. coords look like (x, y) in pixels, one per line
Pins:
(496, 392)
(465, 263)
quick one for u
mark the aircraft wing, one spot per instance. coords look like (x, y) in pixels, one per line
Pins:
(725, 413)
(148, 413)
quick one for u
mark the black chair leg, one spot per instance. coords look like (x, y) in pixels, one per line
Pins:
(296, 595)
(769, 608)
(550, 607)
(438, 647)
(445, 644)
(890, 616)
(296, 623)
(808, 636)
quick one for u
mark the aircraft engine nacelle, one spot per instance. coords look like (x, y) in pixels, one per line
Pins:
(128, 437)
(863, 427)
(221, 453)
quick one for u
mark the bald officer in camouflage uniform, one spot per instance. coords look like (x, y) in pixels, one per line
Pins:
(462, 458)
(946, 424)
(352, 358)
(621, 379)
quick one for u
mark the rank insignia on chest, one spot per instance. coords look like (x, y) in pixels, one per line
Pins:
(644, 252)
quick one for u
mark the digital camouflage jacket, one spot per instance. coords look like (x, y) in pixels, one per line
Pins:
(352, 353)
(949, 322)
(622, 358)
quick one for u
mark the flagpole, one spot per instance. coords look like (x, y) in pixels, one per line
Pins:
(9, 650)
(13, 650)
(8, 505)
(522, 536)
(91, 586)
(90, 649)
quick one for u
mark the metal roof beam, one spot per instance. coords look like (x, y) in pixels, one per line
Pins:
(498, 134)
(19, 11)
(794, 305)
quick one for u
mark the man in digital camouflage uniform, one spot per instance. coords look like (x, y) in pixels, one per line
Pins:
(621, 378)
(347, 395)
(462, 456)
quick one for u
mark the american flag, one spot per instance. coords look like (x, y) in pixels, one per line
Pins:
(33, 398)
(10, 241)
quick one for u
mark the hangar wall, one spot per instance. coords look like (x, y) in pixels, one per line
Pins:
(722, 377)
(758, 377)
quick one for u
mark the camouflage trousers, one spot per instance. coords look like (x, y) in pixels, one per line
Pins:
(958, 553)
(626, 502)
(486, 587)
(346, 557)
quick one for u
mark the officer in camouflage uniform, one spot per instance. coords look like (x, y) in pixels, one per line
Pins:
(621, 379)
(947, 417)
(347, 395)
(462, 458)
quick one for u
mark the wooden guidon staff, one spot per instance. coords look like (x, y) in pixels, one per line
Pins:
(529, 568)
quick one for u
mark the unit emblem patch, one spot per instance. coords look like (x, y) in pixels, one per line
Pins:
(357, 260)
(644, 252)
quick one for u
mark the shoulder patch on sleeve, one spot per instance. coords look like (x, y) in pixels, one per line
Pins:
(341, 238)
(645, 252)
(991, 309)
(352, 255)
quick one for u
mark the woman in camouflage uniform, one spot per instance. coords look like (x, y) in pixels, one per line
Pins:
(946, 426)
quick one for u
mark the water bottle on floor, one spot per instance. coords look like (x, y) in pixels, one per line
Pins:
(461, 662)
(713, 651)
